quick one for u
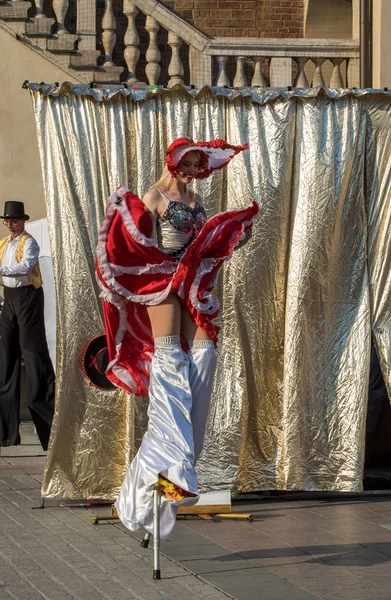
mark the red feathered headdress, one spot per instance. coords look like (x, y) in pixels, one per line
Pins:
(215, 154)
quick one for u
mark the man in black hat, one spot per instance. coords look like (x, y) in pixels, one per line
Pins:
(22, 332)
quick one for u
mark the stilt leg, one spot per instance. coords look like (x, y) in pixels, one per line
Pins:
(156, 534)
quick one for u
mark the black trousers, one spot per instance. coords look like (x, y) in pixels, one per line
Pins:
(22, 332)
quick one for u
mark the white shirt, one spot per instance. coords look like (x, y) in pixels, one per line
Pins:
(15, 274)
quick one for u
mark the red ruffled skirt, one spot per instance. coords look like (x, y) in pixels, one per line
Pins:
(133, 274)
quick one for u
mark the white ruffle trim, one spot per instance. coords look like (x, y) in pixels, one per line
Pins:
(164, 267)
(105, 268)
(209, 303)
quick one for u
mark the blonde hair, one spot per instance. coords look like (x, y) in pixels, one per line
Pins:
(164, 182)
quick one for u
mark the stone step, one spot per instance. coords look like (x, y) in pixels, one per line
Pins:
(39, 27)
(85, 60)
(64, 43)
(14, 11)
(108, 74)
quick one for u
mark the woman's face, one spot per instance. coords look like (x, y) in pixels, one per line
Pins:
(188, 167)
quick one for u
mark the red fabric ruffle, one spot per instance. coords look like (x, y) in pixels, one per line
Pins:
(133, 274)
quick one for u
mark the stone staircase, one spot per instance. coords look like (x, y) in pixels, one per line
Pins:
(141, 42)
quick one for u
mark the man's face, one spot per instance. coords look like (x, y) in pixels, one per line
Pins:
(14, 226)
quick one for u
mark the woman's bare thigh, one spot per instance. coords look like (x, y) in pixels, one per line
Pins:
(190, 330)
(172, 318)
(166, 317)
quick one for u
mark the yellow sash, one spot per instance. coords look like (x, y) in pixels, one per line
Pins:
(34, 277)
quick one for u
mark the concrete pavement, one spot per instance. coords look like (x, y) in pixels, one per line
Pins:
(297, 548)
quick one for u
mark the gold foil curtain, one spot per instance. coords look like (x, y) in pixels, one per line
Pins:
(378, 194)
(289, 403)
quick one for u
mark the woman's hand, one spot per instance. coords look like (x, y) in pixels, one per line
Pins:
(248, 235)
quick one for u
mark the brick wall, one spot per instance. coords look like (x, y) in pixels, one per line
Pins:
(245, 18)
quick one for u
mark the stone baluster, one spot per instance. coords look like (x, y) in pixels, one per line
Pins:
(153, 57)
(39, 25)
(175, 68)
(108, 35)
(336, 80)
(63, 41)
(39, 10)
(132, 41)
(222, 78)
(301, 80)
(240, 79)
(60, 8)
(258, 79)
(318, 80)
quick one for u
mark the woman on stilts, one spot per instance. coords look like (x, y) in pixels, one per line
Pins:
(157, 262)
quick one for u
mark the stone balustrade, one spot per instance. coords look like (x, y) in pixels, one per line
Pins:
(150, 33)
(278, 63)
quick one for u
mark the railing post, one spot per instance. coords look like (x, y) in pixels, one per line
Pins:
(318, 80)
(336, 80)
(108, 34)
(132, 41)
(301, 80)
(108, 73)
(240, 76)
(222, 78)
(62, 41)
(39, 9)
(153, 56)
(258, 79)
(175, 68)
(60, 8)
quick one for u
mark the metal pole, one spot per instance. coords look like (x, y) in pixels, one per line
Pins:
(365, 43)
(156, 534)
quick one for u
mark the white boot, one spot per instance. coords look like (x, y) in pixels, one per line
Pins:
(203, 360)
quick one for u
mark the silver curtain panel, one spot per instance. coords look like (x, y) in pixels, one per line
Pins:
(298, 302)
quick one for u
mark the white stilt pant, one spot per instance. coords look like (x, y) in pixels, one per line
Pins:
(167, 447)
(203, 360)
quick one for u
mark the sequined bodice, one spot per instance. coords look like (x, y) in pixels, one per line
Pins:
(179, 226)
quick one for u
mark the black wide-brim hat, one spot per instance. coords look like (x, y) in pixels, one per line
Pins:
(14, 210)
(94, 363)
